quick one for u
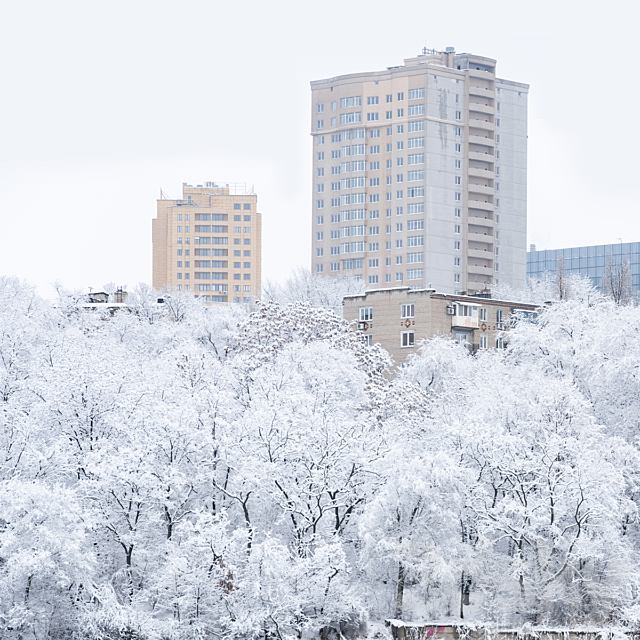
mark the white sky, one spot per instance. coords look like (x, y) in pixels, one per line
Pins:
(104, 103)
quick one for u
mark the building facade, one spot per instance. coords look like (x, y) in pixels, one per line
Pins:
(209, 243)
(588, 262)
(420, 175)
(399, 318)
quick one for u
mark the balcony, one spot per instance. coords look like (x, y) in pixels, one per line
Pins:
(480, 91)
(481, 124)
(480, 269)
(479, 254)
(480, 188)
(479, 73)
(482, 156)
(483, 174)
(478, 204)
(483, 223)
(482, 140)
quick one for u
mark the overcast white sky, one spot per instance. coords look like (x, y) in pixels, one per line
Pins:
(105, 103)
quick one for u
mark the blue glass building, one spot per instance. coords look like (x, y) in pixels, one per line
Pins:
(586, 261)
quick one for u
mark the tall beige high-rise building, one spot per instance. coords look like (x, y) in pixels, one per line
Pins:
(420, 175)
(209, 243)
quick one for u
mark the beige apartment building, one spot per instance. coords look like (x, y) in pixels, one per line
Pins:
(420, 175)
(399, 318)
(209, 243)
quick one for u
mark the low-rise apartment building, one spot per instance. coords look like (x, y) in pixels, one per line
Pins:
(398, 319)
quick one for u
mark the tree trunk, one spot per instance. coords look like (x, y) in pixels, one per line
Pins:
(400, 592)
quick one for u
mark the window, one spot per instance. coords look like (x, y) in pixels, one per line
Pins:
(400, 113)
(416, 110)
(456, 245)
(374, 246)
(319, 268)
(458, 197)
(415, 225)
(237, 276)
(416, 158)
(399, 195)
(373, 231)
(398, 211)
(388, 213)
(388, 231)
(237, 206)
(320, 124)
(374, 214)
(400, 128)
(458, 131)
(387, 262)
(247, 253)
(374, 149)
(458, 115)
(354, 101)
(416, 143)
(415, 192)
(246, 241)
(368, 340)
(483, 315)
(415, 274)
(400, 177)
(499, 343)
(415, 241)
(389, 97)
(388, 246)
(373, 279)
(333, 106)
(388, 164)
(320, 108)
(400, 97)
(373, 263)
(497, 122)
(389, 150)
(389, 180)
(320, 204)
(320, 141)
(319, 253)
(407, 311)
(389, 115)
(246, 229)
(415, 258)
(398, 244)
(320, 155)
(348, 118)
(374, 133)
(416, 126)
(458, 148)
(458, 180)
(398, 259)
(416, 94)
(237, 218)
(373, 100)
(399, 226)
(458, 164)
(180, 252)
(246, 276)
(320, 173)
(399, 162)
(457, 213)
(398, 277)
(406, 339)
(456, 277)
(456, 262)
(374, 166)
(335, 266)
(372, 117)
(483, 342)
(180, 264)
(246, 287)
(457, 228)
(413, 176)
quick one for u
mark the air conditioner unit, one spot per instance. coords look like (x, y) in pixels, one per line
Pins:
(451, 311)
(362, 326)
